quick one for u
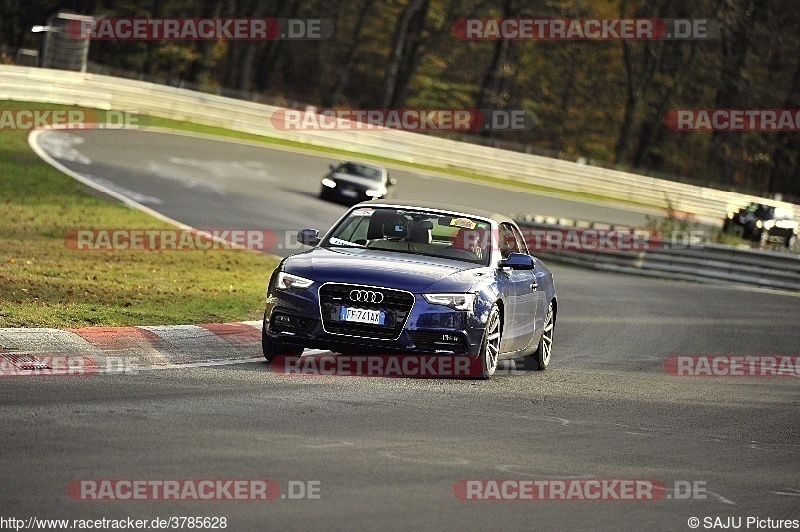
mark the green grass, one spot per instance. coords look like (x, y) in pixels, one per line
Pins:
(43, 283)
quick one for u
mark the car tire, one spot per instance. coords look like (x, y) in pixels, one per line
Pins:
(490, 344)
(272, 349)
(763, 238)
(541, 358)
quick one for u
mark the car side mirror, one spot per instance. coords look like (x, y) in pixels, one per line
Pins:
(518, 261)
(392, 182)
(308, 237)
(332, 166)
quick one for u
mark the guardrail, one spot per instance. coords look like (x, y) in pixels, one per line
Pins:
(698, 261)
(106, 92)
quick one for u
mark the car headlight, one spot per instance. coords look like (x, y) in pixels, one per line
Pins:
(287, 280)
(330, 183)
(454, 301)
(375, 192)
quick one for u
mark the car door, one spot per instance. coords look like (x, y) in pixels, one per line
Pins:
(520, 288)
(540, 288)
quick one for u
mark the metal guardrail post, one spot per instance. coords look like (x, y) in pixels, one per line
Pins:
(705, 263)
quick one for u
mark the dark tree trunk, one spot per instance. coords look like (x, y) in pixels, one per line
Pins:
(653, 129)
(637, 83)
(152, 46)
(236, 49)
(351, 56)
(207, 9)
(738, 18)
(268, 65)
(245, 77)
(404, 51)
(490, 95)
(786, 142)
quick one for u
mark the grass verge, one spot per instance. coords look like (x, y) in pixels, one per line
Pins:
(45, 284)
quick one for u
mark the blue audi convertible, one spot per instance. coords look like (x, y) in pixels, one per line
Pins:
(414, 278)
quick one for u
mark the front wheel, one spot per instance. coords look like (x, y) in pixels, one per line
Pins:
(272, 349)
(541, 358)
(490, 345)
(764, 238)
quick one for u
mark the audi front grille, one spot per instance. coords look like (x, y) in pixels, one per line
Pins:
(396, 305)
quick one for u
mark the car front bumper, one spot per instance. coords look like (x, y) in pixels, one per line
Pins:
(295, 317)
(347, 194)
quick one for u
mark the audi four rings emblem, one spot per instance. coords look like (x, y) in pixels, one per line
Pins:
(366, 296)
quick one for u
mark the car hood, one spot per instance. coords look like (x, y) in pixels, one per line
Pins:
(414, 273)
(363, 182)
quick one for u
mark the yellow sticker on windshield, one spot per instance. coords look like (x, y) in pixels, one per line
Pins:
(466, 223)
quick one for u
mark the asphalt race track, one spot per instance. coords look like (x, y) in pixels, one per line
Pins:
(211, 184)
(394, 454)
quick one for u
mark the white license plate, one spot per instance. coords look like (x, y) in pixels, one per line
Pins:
(360, 315)
(349, 193)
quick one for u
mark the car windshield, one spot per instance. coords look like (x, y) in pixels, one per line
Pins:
(360, 170)
(415, 232)
(758, 210)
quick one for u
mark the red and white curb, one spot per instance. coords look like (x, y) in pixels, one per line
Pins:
(121, 349)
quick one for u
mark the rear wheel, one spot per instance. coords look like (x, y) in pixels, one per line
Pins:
(541, 358)
(490, 346)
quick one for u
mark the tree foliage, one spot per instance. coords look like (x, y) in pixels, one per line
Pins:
(604, 101)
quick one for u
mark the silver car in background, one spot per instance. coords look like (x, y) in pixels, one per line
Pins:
(353, 182)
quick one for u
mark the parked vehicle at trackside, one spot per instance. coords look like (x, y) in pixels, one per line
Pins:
(764, 223)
